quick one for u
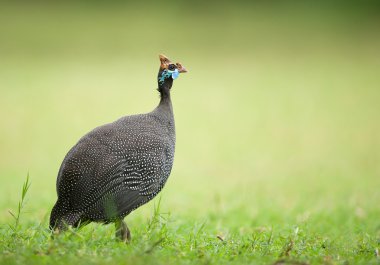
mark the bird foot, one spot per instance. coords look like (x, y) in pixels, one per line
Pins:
(122, 231)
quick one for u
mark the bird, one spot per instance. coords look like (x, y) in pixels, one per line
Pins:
(119, 166)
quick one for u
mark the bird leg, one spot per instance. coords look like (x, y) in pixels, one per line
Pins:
(122, 231)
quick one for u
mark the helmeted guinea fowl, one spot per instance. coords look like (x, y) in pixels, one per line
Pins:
(119, 166)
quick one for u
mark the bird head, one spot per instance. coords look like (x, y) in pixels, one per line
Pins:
(168, 71)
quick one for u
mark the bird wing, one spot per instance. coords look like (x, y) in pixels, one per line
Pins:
(116, 187)
(124, 186)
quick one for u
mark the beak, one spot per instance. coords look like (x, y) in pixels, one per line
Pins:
(181, 68)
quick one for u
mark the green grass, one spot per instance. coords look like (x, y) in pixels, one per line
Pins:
(318, 237)
(278, 133)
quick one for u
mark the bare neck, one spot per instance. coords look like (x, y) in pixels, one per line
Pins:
(165, 107)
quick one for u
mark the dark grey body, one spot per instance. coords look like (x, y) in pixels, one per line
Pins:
(115, 168)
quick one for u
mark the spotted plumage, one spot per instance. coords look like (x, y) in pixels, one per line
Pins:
(118, 167)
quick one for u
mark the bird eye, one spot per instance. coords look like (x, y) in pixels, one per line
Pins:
(171, 67)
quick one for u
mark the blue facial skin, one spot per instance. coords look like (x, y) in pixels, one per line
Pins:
(168, 73)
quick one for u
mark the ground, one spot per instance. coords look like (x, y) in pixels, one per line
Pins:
(278, 133)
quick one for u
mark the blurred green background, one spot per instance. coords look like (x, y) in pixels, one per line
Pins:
(277, 119)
